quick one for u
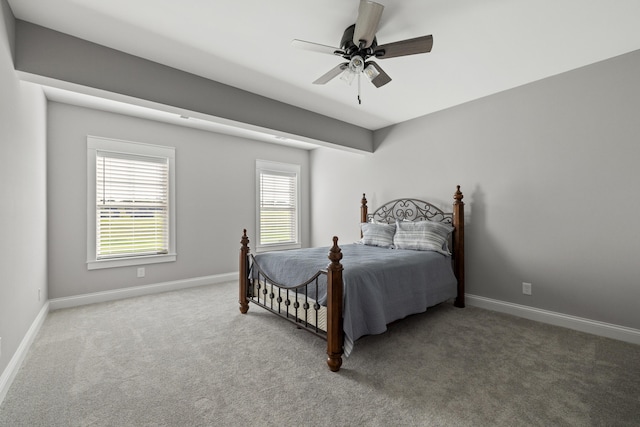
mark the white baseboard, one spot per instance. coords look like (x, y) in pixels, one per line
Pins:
(96, 297)
(594, 327)
(13, 367)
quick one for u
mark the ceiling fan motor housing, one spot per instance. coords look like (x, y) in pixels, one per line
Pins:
(350, 49)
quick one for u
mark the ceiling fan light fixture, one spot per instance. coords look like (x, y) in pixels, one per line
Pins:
(355, 67)
(356, 64)
(371, 72)
(347, 76)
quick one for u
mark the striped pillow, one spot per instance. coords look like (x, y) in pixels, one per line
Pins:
(422, 236)
(378, 234)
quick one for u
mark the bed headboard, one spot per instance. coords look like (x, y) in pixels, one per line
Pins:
(419, 210)
(408, 210)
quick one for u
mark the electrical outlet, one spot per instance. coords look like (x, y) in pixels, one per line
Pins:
(526, 288)
(141, 272)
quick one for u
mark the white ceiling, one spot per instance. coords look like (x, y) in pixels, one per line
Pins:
(480, 47)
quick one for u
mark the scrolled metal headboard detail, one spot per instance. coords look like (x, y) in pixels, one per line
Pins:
(409, 210)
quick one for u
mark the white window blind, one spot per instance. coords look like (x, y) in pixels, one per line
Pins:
(131, 220)
(132, 205)
(278, 204)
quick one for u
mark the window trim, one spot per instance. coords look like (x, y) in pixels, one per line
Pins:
(266, 165)
(95, 144)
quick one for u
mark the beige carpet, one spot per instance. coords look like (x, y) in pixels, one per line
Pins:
(189, 358)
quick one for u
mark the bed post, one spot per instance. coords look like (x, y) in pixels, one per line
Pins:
(458, 245)
(334, 308)
(244, 273)
(363, 211)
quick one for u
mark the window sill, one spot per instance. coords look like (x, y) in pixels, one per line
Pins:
(126, 262)
(269, 248)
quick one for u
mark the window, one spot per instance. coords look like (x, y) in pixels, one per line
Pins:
(131, 205)
(278, 212)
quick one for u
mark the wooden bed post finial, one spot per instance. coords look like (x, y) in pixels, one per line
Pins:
(458, 245)
(334, 308)
(335, 253)
(458, 195)
(244, 273)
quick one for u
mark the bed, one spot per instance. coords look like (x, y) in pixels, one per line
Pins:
(410, 257)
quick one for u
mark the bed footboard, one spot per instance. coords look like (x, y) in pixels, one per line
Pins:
(294, 303)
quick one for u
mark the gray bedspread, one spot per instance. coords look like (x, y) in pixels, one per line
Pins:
(380, 285)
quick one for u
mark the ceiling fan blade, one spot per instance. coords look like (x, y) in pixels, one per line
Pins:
(332, 73)
(316, 47)
(405, 47)
(382, 78)
(369, 14)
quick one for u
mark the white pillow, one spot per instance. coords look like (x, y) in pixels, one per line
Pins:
(378, 234)
(422, 236)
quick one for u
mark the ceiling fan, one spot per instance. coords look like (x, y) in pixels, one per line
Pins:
(359, 43)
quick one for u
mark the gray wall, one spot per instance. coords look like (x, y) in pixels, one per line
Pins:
(23, 257)
(215, 190)
(549, 173)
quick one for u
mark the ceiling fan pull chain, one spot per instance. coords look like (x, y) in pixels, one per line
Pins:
(359, 100)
